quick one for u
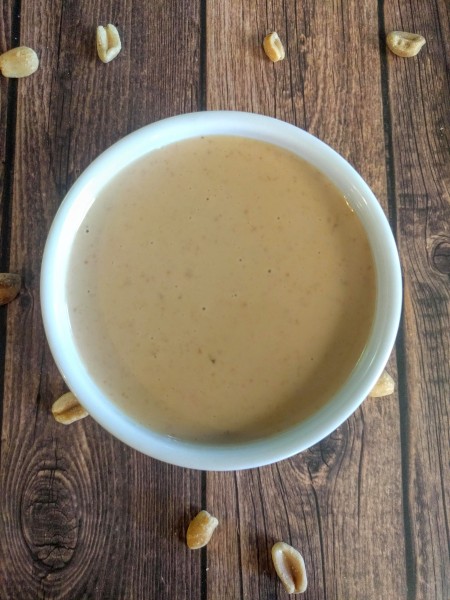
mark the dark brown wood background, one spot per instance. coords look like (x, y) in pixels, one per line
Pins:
(83, 516)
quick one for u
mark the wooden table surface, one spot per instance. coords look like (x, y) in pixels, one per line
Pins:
(84, 516)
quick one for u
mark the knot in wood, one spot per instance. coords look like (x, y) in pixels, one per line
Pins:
(322, 457)
(49, 520)
(441, 257)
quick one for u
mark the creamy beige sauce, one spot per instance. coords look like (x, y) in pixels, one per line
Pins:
(220, 289)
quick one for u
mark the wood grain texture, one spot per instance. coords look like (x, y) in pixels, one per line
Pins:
(7, 117)
(8, 95)
(420, 119)
(83, 516)
(341, 502)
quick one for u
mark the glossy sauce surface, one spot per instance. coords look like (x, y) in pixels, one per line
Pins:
(220, 289)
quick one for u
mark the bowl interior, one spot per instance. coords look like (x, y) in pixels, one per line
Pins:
(56, 317)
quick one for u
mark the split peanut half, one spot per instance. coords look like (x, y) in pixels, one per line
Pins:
(273, 47)
(200, 530)
(385, 386)
(290, 568)
(108, 43)
(67, 409)
(405, 44)
(10, 284)
(19, 62)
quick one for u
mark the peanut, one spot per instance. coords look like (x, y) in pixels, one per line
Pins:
(19, 62)
(200, 530)
(405, 44)
(273, 47)
(108, 42)
(385, 386)
(290, 567)
(9, 287)
(67, 409)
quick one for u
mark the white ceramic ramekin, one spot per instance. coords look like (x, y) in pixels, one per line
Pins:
(300, 436)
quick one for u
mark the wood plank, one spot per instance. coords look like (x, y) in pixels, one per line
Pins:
(340, 502)
(7, 94)
(420, 113)
(82, 515)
